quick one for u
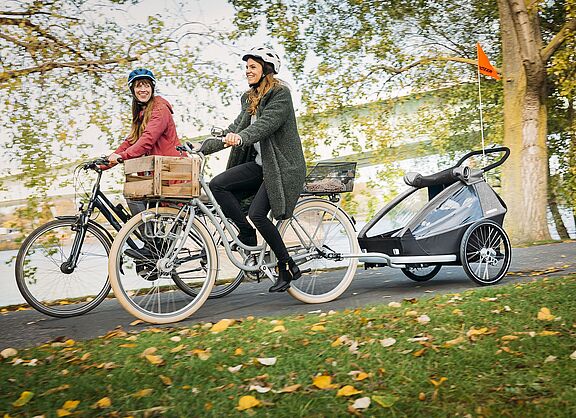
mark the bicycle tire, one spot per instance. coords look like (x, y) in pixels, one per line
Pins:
(485, 252)
(316, 286)
(149, 298)
(43, 250)
(420, 273)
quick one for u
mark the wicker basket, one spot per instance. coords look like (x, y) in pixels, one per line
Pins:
(329, 178)
(158, 176)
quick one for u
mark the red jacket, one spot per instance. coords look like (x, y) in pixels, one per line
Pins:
(159, 136)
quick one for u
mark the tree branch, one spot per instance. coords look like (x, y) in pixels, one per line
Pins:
(558, 40)
(84, 65)
(422, 61)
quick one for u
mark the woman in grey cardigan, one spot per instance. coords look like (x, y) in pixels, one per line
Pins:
(266, 162)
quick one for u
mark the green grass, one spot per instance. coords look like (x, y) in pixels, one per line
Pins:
(516, 365)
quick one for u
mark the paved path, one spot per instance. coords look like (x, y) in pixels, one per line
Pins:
(28, 328)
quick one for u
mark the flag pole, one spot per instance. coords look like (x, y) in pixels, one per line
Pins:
(481, 120)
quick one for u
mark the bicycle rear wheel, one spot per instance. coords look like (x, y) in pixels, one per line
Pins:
(46, 282)
(322, 233)
(145, 285)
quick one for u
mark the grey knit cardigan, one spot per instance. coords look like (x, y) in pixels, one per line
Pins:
(283, 164)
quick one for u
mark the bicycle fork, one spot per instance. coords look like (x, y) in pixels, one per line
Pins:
(80, 227)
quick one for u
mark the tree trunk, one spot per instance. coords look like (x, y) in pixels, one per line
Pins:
(525, 174)
(556, 216)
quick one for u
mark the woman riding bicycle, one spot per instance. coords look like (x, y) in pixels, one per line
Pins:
(153, 132)
(267, 161)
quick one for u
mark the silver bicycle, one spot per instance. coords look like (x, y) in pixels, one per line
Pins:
(182, 265)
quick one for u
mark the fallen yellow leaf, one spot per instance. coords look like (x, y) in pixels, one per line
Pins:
(127, 345)
(143, 393)
(348, 390)
(56, 389)
(278, 328)
(149, 350)
(221, 325)
(166, 380)
(178, 348)
(323, 382)
(70, 405)
(318, 327)
(437, 383)
(455, 341)
(545, 315)
(62, 412)
(548, 333)
(361, 376)
(202, 354)
(289, 389)
(509, 337)
(247, 402)
(339, 341)
(419, 353)
(105, 402)
(155, 360)
(23, 399)
(238, 352)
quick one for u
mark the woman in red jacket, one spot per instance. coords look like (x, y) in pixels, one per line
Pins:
(153, 130)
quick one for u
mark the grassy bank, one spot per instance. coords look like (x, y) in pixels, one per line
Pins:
(503, 351)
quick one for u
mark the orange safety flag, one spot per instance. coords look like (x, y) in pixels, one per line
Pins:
(484, 66)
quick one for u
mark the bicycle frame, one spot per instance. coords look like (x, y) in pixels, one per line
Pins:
(261, 265)
(97, 201)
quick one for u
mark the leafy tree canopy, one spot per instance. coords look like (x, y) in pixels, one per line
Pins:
(63, 68)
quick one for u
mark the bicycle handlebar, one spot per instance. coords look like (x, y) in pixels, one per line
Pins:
(96, 163)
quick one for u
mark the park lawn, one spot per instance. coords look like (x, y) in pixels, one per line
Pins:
(501, 351)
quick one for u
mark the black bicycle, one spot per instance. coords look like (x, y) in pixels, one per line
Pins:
(61, 266)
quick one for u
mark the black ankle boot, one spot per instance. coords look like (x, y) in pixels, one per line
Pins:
(294, 269)
(283, 281)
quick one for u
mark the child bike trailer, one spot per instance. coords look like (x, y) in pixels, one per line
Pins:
(452, 217)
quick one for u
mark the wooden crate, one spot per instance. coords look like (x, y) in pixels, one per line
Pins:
(156, 176)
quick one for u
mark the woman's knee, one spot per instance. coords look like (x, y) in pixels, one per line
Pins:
(216, 184)
(258, 217)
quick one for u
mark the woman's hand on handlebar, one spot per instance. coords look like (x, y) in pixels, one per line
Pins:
(232, 139)
(114, 159)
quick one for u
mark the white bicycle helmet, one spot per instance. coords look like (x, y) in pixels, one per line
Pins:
(265, 54)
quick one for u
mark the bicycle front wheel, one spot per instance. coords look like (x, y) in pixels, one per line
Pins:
(46, 280)
(143, 280)
(317, 237)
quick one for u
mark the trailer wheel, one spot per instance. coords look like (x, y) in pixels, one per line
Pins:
(485, 252)
(421, 272)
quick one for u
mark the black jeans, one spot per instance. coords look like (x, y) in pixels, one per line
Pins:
(238, 183)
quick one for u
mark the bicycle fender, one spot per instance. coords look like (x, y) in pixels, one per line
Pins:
(316, 199)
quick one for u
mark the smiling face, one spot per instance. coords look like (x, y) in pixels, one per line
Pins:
(253, 71)
(143, 90)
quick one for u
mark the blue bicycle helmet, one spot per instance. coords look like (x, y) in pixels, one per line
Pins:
(140, 73)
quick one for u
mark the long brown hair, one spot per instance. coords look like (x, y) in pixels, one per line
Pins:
(256, 94)
(139, 125)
